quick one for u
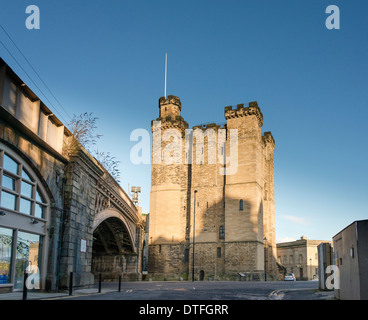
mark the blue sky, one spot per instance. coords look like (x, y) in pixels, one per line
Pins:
(107, 57)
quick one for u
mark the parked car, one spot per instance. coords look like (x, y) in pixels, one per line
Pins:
(290, 277)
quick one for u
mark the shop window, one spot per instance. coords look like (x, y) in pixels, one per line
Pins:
(6, 243)
(27, 256)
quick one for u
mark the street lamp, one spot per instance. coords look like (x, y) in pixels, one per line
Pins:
(265, 241)
(195, 191)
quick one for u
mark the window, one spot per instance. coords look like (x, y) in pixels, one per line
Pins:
(19, 191)
(6, 244)
(300, 258)
(241, 205)
(24, 201)
(28, 253)
(186, 255)
(222, 233)
(218, 252)
(291, 259)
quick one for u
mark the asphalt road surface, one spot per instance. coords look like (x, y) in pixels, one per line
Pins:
(205, 290)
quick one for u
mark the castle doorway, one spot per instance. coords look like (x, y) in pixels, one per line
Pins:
(201, 275)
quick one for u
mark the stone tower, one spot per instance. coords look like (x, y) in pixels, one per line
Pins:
(234, 212)
(249, 216)
(169, 187)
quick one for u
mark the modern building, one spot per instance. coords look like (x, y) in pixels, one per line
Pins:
(350, 252)
(212, 212)
(300, 257)
(60, 211)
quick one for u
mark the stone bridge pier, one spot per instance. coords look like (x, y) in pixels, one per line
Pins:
(103, 231)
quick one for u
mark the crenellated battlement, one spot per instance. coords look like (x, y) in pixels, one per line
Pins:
(267, 138)
(241, 111)
(170, 122)
(170, 100)
(206, 126)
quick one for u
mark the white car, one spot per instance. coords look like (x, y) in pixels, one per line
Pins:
(290, 277)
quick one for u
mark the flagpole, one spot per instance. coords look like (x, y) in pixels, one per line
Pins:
(165, 72)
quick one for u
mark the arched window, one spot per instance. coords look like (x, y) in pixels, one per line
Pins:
(19, 189)
(241, 204)
(25, 205)
(222, 232)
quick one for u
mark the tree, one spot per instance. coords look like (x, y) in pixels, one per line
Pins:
(83, 130)
(110, 164)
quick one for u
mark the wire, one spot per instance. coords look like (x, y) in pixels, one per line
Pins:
(30, 78)
(34, 70)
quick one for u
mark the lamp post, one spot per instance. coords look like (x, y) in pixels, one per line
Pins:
(265, 241)
(195, 191)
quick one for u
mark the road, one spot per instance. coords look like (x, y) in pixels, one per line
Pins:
(205, 290)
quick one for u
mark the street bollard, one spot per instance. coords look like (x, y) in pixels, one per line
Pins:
(71, 284)
(99, 282)
(119, 290)
(25, 290)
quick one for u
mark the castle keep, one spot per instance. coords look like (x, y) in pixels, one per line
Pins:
(234, 225)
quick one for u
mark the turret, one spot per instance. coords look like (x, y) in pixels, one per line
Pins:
(170, 106)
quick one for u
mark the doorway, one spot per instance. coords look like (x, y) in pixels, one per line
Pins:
(201, 275)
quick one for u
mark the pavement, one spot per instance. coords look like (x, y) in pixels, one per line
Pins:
(39, 295)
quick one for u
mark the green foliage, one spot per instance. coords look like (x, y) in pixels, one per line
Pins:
(83, 129)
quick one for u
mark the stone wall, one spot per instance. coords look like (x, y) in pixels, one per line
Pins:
(50, 170)
(82, 174)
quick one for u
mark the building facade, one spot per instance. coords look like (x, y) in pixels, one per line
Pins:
(300, 257)
(60, 212)
(212, 188)
(350, 252)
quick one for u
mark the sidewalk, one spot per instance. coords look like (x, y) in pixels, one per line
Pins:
(52, 295)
